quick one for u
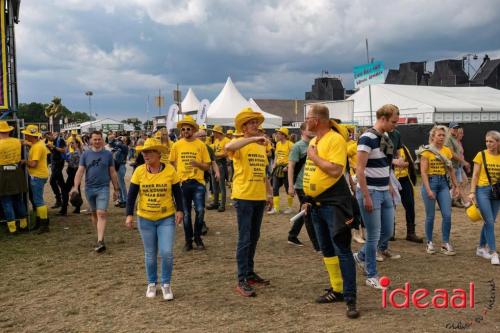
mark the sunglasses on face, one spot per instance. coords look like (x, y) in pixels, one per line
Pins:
(186, 129)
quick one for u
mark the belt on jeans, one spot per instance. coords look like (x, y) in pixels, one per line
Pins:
(9, 167)
(189, 181)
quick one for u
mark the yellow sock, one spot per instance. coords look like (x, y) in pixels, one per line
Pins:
(12, 226)
(23, 223)
(290, 201)
(42, 212)
(276, 203)
(333, 268)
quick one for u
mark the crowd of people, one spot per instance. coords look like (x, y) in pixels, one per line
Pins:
(348, 184)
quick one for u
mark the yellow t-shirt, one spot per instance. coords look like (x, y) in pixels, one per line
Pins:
(165, 157)
(269, 148)
(402, 172)
(282, 152)
(183, 153)
(10, 151)
(249, 178)
(218, 147)
(436, 167)
(333, 148)
(493, 163)
(155, 193)
(71, 139)
(38, 152)
(352, 155)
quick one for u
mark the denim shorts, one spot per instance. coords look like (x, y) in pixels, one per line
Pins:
(459, 174)
(37, 186)
(97, 198)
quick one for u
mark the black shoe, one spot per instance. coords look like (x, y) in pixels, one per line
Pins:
(294, 241)
(199, 244)
(58, 204)
(100, 247)
(63, 212)
(77, 210)
(414, 238)
(36, 225)
(254, 279)
(392, 239)
(204, 229)
(187, 247)
(44, 226)
(212, 207)
(122, 205)
(245, 289)
(330, 297)
(221, 209)
(352, 312)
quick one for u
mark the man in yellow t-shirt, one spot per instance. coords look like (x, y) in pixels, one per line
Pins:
(190, 158)
(219, 185)
(38, 172)
(12, 180)
(73, 138)
(251, 190)
(280, 170)
(329, 201)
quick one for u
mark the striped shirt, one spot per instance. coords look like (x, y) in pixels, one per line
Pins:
(377, 167)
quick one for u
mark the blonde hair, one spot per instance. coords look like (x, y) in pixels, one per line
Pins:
(387, 111)
(495, 135)
(435, 129)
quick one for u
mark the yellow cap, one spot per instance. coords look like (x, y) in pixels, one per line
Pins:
(188, 120)
(229, 132)
(4, 127)
(203, 127)
(473, 213)
(152, 144)
(245, 115)
(218, 129)
(75, 132)
(283, 130)
(31, 130)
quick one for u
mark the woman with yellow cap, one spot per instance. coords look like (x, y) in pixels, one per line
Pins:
(280, 170)
(39, 173)
(12, 180)
(485, 177)
(159, 209)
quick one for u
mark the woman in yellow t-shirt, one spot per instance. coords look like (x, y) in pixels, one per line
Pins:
(480, 193)
(159, 209)
(435, 164)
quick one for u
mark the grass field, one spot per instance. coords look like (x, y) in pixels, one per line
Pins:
(56, 283)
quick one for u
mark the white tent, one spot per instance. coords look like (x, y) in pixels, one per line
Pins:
(106, 124)
(430, 104)
(190, 103)
(229, 103)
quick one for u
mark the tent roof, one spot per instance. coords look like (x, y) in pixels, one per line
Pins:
(428, 98)
(190, 102)
(229, 103)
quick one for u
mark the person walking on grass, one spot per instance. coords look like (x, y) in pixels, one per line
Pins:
(98, 166)
(251, 191)
(457, 160)
(486, 177)
(159, 210)
(190, 158)
(435, 164)
(73, 157)
(219, 184)
(328, 200)
(57, 148)
(280, 171)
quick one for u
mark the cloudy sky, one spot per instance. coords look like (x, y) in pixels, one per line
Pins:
(125, 50)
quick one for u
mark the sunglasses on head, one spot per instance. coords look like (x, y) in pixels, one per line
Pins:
(187, 129)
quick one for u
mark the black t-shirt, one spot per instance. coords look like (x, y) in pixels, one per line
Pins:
(56, 155)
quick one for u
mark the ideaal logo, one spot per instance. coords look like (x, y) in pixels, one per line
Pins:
(458, 298)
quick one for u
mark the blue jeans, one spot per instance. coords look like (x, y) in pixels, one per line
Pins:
(193, 192)
(98, 198)
(121, 183)
(249, 214)
(439, 186)
(158, 238)
(37, 186)
(489, 210)
(379, 224)
(13, 207)
(338, 245)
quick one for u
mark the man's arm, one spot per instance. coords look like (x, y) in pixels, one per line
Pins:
(240, 143)
(291, 171)
(360, 172)
(332, 169)
(114, 178)
(78, 178)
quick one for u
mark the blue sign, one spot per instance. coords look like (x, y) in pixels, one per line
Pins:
(368, 74)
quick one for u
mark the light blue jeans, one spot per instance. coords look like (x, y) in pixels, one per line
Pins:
(121, 183)
(158, 238)
(37, 186)
(489, 210)
(439, 186)
(379, 224)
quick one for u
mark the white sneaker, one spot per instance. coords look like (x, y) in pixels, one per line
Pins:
(272, 212)
(430, 248)
(494, 259)
(390, 255)
(379, 257)
(168, 295)
(356, 236)
(151, 291)
(288, 211)
(374, 283)
(483, 253)
(447, 249)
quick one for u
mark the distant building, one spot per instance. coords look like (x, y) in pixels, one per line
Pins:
(449, 73)
(326, 89)
(410, 73)
(291, 110)
(488, 74)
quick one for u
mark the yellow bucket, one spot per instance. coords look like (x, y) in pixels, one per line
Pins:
(473, 213)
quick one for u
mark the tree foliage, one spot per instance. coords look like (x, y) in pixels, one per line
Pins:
(35, 113)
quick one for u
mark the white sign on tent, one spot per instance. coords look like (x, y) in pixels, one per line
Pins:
(201, 116)
(172, 116)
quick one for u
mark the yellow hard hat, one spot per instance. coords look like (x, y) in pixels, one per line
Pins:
(218, 129)
(246, 115)
(31, 130)
(229, 132)
(188, 120)
(283, 130)
(473, 213)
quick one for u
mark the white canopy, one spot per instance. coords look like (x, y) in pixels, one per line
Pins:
(105, 125)
(424, 101)
(229, 103)
(190, 103)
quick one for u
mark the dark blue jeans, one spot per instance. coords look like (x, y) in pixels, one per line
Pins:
(13, 207)
(249, 214)
(193, 192)
(338, 245)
